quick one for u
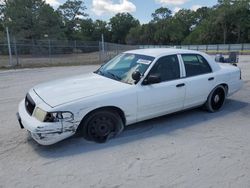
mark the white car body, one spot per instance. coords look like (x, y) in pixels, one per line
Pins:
(84, 93)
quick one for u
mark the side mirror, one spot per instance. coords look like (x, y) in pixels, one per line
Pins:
(152, 79)
(136, 76)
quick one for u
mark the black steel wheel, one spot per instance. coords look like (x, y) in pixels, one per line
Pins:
(216, 99)
(100, 126)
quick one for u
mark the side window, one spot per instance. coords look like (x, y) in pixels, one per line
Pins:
(167, 67)
(195, 64)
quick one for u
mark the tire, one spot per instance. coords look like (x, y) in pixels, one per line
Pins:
(216, 99)
(101, 125)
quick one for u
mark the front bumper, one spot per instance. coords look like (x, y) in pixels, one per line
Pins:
(41, 132)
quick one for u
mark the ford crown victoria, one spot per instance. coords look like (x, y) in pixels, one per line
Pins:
(134, 86)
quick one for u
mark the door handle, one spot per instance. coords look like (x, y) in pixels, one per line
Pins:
(210, 79)
(180, 85)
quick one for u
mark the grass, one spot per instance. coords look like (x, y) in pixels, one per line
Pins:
(27, 61)
(226, 52)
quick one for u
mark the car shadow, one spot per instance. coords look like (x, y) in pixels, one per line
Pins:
(158, 126)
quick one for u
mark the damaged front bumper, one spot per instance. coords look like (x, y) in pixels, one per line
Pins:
(42, 132)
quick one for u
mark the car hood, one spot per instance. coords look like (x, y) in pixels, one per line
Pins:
(63, 91)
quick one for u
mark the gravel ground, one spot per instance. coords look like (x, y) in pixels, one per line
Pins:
(187, 149)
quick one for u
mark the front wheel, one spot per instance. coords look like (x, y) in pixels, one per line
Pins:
(102, 125)
(216, 99)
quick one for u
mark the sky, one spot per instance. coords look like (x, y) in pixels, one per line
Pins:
(140, 9)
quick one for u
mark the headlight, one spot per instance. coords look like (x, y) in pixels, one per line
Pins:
(43, 116)
(40, 114)
(58, 116)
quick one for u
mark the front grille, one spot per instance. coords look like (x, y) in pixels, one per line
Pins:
(29, 104)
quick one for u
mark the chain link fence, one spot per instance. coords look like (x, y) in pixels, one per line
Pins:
(40, 53)
(48, 52)
(110, 50)
(210, 48)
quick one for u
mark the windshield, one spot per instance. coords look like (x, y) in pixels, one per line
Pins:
(122, 67)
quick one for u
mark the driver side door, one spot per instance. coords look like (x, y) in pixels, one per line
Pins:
(164, 97)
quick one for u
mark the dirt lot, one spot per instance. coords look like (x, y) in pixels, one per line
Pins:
(188, 149)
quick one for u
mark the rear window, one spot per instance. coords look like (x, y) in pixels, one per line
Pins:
(195, 65)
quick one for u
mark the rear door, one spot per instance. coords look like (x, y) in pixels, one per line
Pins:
(199, 79)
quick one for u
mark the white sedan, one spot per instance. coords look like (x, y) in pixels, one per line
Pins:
(134, 86)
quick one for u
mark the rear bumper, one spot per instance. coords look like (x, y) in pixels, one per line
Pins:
(41, 132)
(234, 87)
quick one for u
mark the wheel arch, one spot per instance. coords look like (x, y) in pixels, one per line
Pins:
(221, 84)
(225, 85)
(108, 108)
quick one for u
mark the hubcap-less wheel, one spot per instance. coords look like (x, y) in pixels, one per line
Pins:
(101, 125)
(101, 128)
(216, 99)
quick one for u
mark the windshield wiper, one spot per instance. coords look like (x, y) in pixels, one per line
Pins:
(107, 73)
(99, 72)
(113, 75)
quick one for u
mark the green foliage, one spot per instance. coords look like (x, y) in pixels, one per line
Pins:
(120, 25)
(1, 33)
(72, 14)
(161, 14)
(1, 24)
(71, 10)
(31, 19)
(226, 22)
(101, 27)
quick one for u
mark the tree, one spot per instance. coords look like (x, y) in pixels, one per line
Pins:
(205, 33)
(134, 35)
(120, 25)
(31, 19)
(1, 32)
(161, 14)
(86, 30)
(187, 19)
(48, 23)
(161, 18)
(241, 20)
(101, 27)
(1, 20)
(72, 13)
(201, 14)
(71, 10)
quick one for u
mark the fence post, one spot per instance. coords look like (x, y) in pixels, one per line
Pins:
(49, 50)
(15, 49)
(103, 44)
(100, 53)
(9, 46)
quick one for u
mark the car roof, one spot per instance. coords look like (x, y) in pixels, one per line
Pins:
(157, 52)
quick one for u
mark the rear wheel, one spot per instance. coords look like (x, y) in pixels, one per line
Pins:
(216, 99)
(101, 125)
